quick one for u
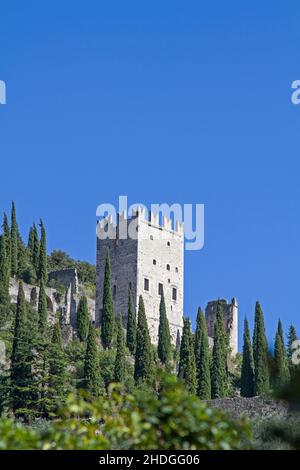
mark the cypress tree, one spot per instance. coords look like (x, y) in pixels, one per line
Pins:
(143, 368)
(131, 326)
(187, 367)
(14, 241)
(83, 319)
(260, 354)
(219, 376)
(4, 273)
(202, 358)
(247, 373)
(42, 266)
(34, 247)
(292, 336)
(281, 366)
(164, 348)
(42, 308)
(58, 376)
(92, 377)
(108, 316)
(20, 363)
(119, 372)
(6, 234)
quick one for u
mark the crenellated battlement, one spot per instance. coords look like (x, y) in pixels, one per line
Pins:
(123, 226)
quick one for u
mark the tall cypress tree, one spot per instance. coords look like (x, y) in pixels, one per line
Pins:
(34, 247)
(187, 367)
(42, 267)
(281, 366)
(164, 347)
(83, 319)
(119, 372)
(131, 325)
(58, 375)
(42, 308)
(143, 368)
(92, 378)
(108, 316)
(14, 241)
(20, 359)
(4, 273)
(6, 234)
(292, 337)
(219, 376)
(260, 354)
(247, 373)
(202, 358)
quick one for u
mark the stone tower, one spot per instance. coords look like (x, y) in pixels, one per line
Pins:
(146, 258)
(230, 312)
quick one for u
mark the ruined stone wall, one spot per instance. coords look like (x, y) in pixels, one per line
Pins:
(69, 280)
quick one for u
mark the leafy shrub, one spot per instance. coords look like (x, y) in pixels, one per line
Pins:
(174, 420)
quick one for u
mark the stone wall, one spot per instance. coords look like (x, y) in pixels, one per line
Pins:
(61, 304)
(230, 312)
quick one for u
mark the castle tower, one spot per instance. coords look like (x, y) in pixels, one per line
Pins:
(230, 312)
(150, 259)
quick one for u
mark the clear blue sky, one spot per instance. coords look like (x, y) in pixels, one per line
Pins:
(165, 101)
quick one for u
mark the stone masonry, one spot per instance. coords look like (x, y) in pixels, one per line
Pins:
(150, 259)
(230, 312)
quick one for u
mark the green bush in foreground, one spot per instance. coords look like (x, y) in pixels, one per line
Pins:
(174, 420)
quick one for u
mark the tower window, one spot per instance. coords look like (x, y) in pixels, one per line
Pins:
(168, 267)
(174, 294)
(160, 288)
(168, 243)
(130, 285)
(176, 269)
(154, 262)
(151, 237)
(146, 284)
(114, 291)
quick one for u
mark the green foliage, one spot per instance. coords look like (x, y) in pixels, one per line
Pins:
(6, 235)
(281, 365)
(247, 373)
(61, 260)
(14, 238)
(119, 372)
(174, 421)
(34, 248)
(131, 326)
(42, 267)
(164, 347)
(219, 374)
(108, 316)
(92, 378)
(4, 273)
(187, 367)
(58, 376)
(260, 354)
(292, 337)
(83, 319)
(202, 358)
(42, 308)
(143, 371)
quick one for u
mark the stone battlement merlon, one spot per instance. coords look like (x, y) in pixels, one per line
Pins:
(108, 228)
